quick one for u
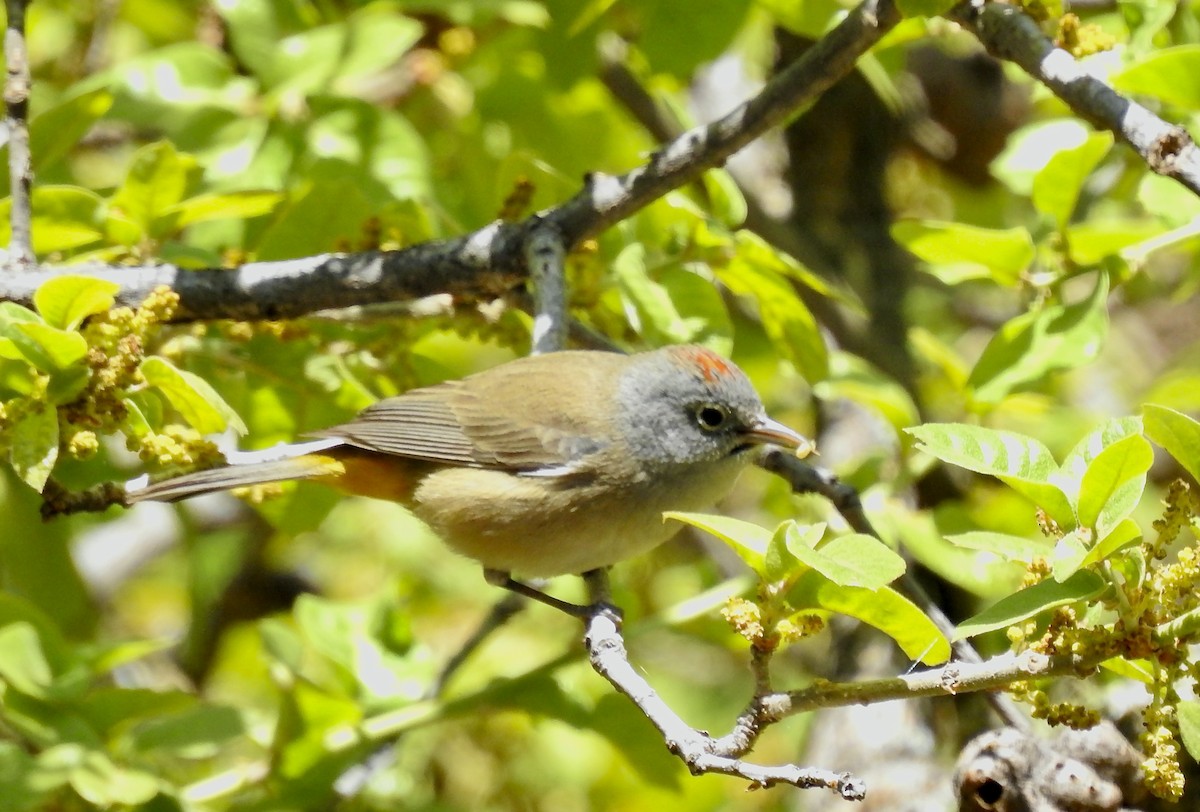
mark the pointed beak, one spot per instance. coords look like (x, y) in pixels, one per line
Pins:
(767, 431)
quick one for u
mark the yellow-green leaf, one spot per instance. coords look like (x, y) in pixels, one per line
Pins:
(65, 301)
(192, 396)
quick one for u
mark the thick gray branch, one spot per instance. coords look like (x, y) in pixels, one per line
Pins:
(491, 261)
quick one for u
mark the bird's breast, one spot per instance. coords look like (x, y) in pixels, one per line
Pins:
(545, 526)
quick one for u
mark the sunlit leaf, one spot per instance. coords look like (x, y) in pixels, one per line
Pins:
(1057, 186)
(851, 560)
(1188, 714)
(1114, 482)
(748, 540)
(885, 609)
(1169, 74)
(158, 179)
(192, 396)
(1001, 255)
(1032, 345)
(1124, 534)
(35, 447)
(1032, 600)
(1020, 462)
(65, 301)
(1012, 548)
(1068, 556)
(23, 664)
(50, 348)
(786, 319)
(227, 205)
(64, 218)
(1175, 432)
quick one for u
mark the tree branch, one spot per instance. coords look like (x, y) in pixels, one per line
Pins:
(545, 257)
(16, 103)
(490, 261)
(697, 749)
(1009, 33)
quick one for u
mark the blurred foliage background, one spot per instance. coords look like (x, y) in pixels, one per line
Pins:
(936, 239)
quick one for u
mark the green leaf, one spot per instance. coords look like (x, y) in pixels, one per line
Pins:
(1075, 464)
(676, 40)
(853, 560)
(55, 130)
(377, 150)
(1069, 554)
(192, 397)
(23, 664)
(192, 733)
(65, 301)
(101, 782)
(23, 787)
(725, 198)
(159, 178)
(1188, 714)
(64, 218)
(1139, 669)
(1177, 433)
(1008, 547)
(748, 540)
(1021, 462)
(1114, 483)
(1032, 600)
(1057, 186)
(672, 305)
(1171, 75)
(1124, 534)
(308, 226)
(968, 251)
(855, 380)
(885, 609)
(35, 447)
(1093, 241)
(785, 318)
(780, 563)
(1032, 345)
(17, 375)
(224, 206)
(49, 348)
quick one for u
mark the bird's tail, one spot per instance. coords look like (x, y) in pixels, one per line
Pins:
(240, 475)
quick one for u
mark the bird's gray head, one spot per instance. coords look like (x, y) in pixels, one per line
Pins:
(686, 404)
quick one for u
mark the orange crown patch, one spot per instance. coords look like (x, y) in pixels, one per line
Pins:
(711, 365)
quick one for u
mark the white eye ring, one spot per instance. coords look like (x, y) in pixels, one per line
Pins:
(711, 416)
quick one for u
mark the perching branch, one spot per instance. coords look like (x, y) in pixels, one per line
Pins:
(16, 122)
(698, 750)
(1009, 33)
(490, 261)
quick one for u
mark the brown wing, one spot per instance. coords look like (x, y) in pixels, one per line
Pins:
(505, 418)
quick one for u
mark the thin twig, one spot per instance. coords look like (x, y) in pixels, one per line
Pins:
(16, 121)
(697, 749)
(948, 680)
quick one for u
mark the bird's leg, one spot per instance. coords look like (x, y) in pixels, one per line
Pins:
(505, 580)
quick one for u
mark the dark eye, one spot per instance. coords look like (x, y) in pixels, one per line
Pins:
(711, 417)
